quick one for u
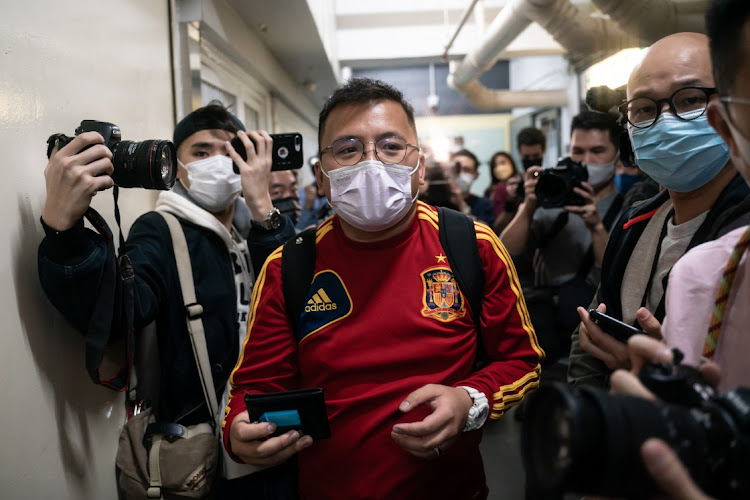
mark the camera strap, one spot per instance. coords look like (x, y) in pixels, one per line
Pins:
(107, 333)
(659, 313)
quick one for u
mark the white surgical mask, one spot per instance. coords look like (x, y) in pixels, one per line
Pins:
(371, 195)
(213, 183)
(601, 174)
(464, 181)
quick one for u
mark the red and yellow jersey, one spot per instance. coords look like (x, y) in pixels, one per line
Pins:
(382, 320)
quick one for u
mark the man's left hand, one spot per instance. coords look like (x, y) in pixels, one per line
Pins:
(432, 436)
(588, 212)
(256, 171)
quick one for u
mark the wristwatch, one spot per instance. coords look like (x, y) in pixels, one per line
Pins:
(479, 410)
(273, 221)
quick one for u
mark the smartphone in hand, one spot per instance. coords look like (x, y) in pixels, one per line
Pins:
(286, 154)
(303, 410)
(614, 327)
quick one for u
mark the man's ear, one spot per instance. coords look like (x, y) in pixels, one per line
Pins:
(717, 117)
(422, 168)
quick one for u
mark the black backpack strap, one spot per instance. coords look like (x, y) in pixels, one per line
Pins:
(297, 268)
(459, 240)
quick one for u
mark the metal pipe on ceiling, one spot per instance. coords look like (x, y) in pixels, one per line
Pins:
(571, 28)
(460, 26)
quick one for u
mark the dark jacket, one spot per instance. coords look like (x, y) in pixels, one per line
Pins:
(730, 211)
(70, 269)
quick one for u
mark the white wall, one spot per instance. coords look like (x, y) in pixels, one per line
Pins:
(61, 63)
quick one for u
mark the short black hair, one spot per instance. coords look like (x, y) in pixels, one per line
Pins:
(492, 165)
(724, 22)
(466, 152)
(594, 120)
(531, 136)
(213, 116)
(360, 90)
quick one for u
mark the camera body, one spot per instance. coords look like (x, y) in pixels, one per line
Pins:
(554, 189)
(150, 164)
(567, 432)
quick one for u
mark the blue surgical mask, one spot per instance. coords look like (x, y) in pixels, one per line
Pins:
(623, 182)
(680, 155)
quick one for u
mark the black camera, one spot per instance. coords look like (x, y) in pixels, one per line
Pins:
(150, 164)
(605, 100)
(554, 189)
(587, 441)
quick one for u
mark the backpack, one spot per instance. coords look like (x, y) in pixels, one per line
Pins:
(457, 237)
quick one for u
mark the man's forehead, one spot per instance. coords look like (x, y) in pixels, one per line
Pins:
(582, 137)
(210, 136)
(671, 63)
(348, 117)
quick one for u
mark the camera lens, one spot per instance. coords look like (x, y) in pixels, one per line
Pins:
(551, 189)
(149, 164)
(588, 441)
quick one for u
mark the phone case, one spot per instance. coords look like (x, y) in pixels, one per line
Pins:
(309, 403)
(287, 151)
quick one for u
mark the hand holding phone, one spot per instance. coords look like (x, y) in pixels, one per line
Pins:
(614, 327)
(303, 410)
(287, 151)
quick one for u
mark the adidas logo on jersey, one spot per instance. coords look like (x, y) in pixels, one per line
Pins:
(320, 302)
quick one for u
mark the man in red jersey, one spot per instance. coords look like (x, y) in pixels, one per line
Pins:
(386, 332)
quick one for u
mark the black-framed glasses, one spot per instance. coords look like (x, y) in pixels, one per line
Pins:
(350, 150)
(642, 112)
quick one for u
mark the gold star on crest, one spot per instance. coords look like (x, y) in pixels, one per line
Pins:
(440, 258)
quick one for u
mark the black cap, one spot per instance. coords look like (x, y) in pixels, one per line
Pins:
(212, 116)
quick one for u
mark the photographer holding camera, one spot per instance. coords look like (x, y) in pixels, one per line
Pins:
(704, 197)
(230, 225)
(567, 251)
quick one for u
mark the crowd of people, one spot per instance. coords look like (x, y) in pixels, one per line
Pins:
(411, 366)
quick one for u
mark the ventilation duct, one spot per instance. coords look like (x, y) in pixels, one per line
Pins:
(663, 18)
(581, 35)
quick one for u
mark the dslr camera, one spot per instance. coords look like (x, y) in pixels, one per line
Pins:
(150, 164)
(588, 441)
(554, 189)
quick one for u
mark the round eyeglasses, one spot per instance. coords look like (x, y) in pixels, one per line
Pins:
(642, 112)
(350, 150)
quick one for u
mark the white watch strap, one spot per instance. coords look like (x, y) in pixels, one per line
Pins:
(479, 410)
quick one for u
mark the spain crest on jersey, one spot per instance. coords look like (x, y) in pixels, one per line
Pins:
(442, 299)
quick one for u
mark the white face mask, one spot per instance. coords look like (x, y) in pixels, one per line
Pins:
(371, 195)
(213, 184)
(601, 174)
(464, 181)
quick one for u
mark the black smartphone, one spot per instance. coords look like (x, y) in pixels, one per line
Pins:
(619, 330)
(287, 151)
(303, 410)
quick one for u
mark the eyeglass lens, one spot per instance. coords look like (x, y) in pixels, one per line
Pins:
(349, 150)
(643, 111)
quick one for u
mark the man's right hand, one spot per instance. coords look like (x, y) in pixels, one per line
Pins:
(660, 460)
(248, 444)
(530, 179)
(73, 177)
(605, 347)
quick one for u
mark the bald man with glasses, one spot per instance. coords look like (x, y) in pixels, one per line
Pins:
(668, 94)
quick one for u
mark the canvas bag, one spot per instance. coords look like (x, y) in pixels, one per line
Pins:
(167, 460)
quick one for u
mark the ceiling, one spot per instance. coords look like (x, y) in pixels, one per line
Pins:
(313, 47)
